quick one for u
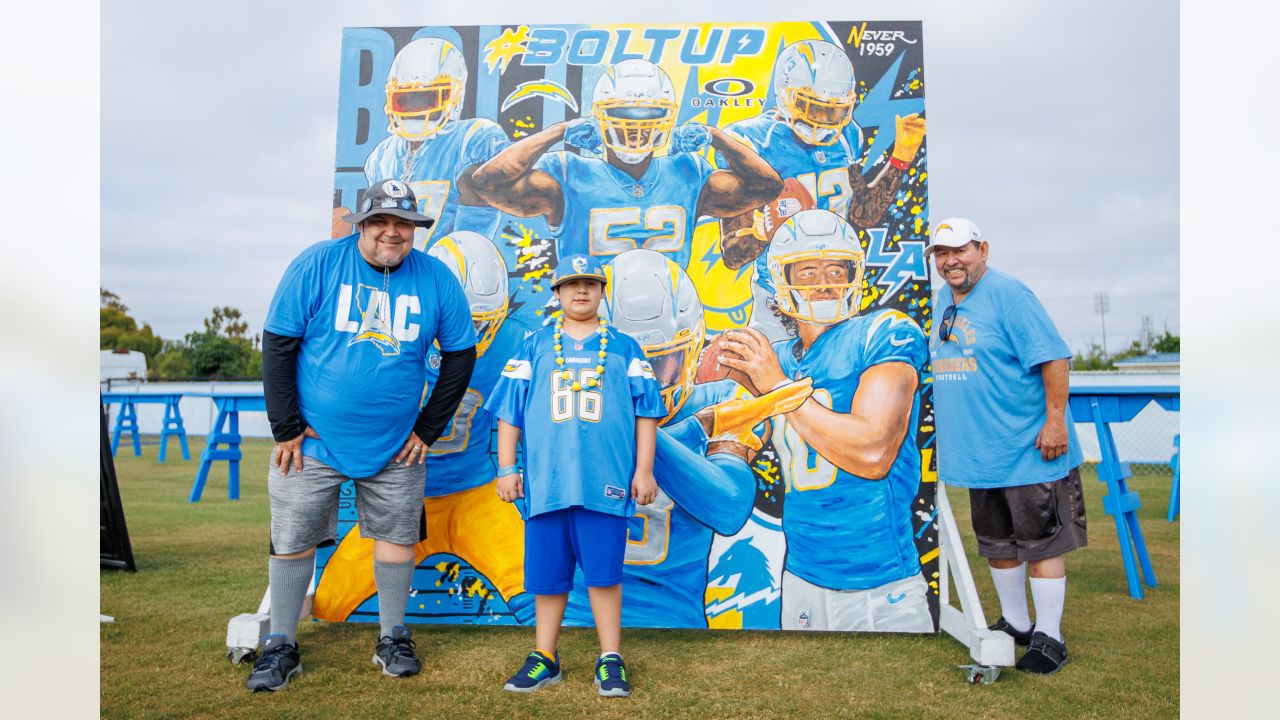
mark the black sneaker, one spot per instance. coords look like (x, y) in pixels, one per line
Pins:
(278, 663)
(1020, 637)
(395, 653)
(538, 670)
(611, 676)
(1045, 656)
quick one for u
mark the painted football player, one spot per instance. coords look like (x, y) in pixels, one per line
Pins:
(810, 139)
(431, 147)
(633, 197)
(847, 454)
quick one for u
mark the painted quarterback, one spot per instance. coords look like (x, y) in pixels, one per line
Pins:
(847, 454)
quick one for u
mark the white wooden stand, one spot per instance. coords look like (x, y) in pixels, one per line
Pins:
(967, 623)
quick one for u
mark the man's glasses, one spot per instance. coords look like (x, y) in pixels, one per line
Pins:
(948, 322)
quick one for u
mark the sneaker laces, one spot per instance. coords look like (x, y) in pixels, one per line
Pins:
(611, 669)
(271, 658)
(532, 664)
(403, 646)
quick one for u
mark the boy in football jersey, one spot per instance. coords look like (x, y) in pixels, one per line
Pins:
(588, 404)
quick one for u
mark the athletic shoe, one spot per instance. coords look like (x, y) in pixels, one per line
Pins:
(1020, 637)
(611, 676)
(278, 663)
(395, 653)
(538, 670)
(1046, 656)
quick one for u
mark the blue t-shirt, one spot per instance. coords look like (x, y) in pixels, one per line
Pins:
(461, 459)
(607, 212)
(579, 446)
(846, 532)
(432, 171)
(823, 170)
(988, 395)
(362, 361)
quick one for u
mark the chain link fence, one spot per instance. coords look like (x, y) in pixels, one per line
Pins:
(1146, 441)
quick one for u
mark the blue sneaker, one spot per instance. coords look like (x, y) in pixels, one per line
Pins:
(611, 676)
(538, 670)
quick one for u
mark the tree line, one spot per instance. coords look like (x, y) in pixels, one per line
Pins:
(1096, 357)
(223, 350)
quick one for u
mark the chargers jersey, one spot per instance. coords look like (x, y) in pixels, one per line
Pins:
(823, 170)
(432, 171)
(461, 458)
(579, 445)
(607, 212)
(845, 532)
(664, 576)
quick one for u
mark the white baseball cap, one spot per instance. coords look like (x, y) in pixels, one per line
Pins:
(954, 232)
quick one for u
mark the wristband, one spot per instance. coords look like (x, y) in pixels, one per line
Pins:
(508, 470)
(900, 164)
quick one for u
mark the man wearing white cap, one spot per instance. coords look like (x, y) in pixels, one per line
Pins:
(1004, 431)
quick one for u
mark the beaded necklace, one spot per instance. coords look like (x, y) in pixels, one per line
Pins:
(603, 332)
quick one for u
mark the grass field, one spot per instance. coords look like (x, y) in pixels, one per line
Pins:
(200, 564)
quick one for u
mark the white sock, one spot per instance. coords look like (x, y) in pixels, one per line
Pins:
(1011, 586)
(1049, 595)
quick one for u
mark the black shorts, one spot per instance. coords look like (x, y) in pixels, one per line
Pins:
(1030, 522)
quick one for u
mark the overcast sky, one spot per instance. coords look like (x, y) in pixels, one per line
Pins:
(1054, 126)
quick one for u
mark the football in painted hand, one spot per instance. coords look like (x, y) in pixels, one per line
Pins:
(793, 198)
(710, 368)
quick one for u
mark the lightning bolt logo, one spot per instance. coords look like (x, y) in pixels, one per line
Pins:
(900, 267)
(877, 110)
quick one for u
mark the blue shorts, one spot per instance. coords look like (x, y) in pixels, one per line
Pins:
(555, 541)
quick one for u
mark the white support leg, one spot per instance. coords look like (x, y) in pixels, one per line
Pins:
(967, 624)
(246, 631)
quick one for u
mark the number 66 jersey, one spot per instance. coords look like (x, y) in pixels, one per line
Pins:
(579, 444)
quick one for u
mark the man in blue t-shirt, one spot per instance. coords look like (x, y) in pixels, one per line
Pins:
(1004, 431)
(344, 360)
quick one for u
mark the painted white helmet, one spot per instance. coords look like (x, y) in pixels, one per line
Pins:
(425, 88)
(816, 235)
(815, 90)
(480, 269)
(651, 299)
(635, 104)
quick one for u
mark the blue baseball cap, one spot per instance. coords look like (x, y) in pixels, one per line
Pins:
(578, 266)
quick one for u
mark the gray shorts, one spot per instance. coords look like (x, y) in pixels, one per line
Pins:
(304, 505)
(1030, 522)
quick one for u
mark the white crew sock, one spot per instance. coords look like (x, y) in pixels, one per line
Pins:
(1049, 594)
(1011, 586)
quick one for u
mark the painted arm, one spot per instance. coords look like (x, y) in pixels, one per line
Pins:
(509, 182)
(864, 441)
(1052, 440)
(746, 184)
(718, 491)
(870, 200)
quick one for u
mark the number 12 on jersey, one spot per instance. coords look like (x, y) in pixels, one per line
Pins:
(587, 404)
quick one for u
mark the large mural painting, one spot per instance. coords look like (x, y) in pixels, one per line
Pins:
(759, 192)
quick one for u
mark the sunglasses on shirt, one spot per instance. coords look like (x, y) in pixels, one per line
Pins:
(948, 322)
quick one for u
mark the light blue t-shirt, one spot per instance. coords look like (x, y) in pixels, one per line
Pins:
(363, 356)
(579, 445)
(988, 395)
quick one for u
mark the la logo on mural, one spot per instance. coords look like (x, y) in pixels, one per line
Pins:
(377, 323)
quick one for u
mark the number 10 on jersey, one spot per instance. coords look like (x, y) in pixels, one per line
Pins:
(587, 403)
